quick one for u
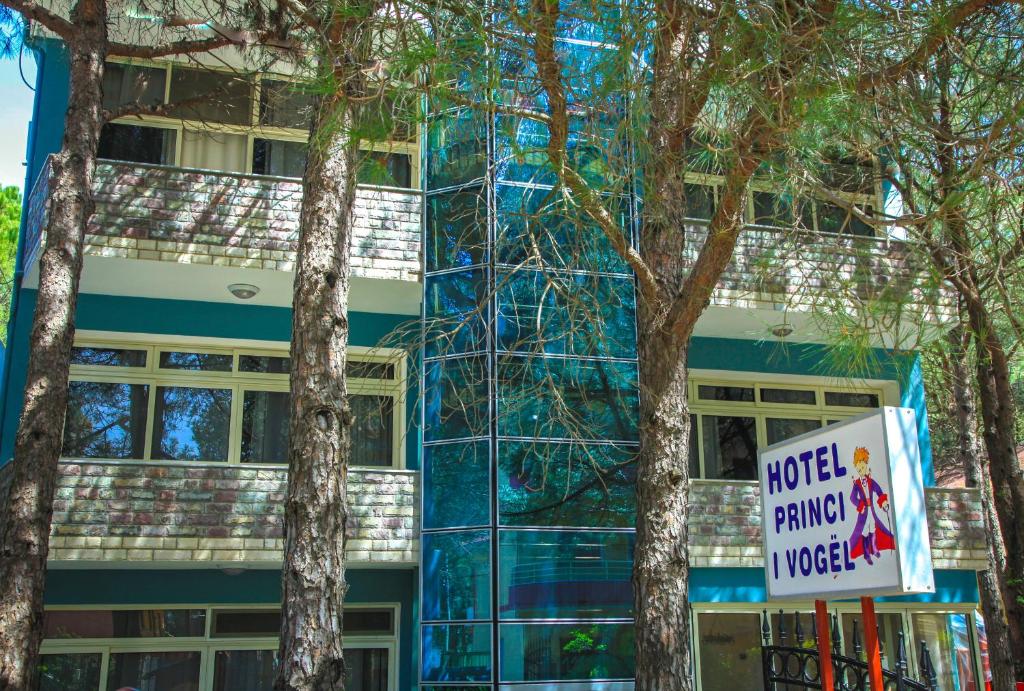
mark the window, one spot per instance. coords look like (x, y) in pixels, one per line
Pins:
(148, 650)
(728, 640)
(137, 143)
(730, 421)
(225, 120)
(223, 405)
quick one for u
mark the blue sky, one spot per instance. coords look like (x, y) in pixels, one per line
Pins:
(15, 114)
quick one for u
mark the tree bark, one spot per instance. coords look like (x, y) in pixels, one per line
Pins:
(972, 458)
(316, 508)
(1004, 489)
(25, 526)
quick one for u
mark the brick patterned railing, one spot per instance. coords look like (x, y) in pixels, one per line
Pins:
(777, 268)
(725, 526)
(200, 217)
(215, 514)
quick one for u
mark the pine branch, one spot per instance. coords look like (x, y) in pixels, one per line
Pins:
(52, 21)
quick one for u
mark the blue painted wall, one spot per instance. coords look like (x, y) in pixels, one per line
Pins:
(214, 587)
(747, 585)
(185, 318)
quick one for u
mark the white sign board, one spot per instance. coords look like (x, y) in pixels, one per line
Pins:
(843, 510)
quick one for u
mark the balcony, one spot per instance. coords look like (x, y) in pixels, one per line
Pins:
(215, 515)
(168, 218)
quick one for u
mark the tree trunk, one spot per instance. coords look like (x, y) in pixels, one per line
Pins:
(25, 524)
(316, 509)
(975, 466)
(1005, 475)
(661, 558)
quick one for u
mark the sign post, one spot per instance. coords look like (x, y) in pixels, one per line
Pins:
(843, 515)
(826, 672)
(874, 653)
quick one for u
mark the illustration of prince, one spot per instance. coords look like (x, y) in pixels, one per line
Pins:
(871, 534)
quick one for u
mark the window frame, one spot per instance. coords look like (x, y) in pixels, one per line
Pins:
(238, 383)
(207, 645)
(254, 130)
(760, 411)
(864, 201)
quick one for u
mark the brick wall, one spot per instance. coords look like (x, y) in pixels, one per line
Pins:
(195, 217)
(725, 526)
(147, 512)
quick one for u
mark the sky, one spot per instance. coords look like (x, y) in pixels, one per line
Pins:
(15, 114)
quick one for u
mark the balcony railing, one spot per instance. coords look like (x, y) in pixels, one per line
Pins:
(210, 514)
(188, 216)
(776, 267)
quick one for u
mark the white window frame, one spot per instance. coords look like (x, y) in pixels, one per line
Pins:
(762, 411)
(207, 644)
(238, 382)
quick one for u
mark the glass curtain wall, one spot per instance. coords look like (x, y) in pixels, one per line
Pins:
(531, 394)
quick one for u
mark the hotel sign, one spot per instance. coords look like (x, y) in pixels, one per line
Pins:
(843, 510)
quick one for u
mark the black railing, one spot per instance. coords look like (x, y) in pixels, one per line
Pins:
(794, 664)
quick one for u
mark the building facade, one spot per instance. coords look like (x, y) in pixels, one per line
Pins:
(492, 510)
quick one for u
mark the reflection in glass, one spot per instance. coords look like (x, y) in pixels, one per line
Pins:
(571, 313)
(890, 625)
(124, 623)
(730, 447)
(191, 423)
(280, 158)
(456, 148)
(105, 420)
(781, 429)
(581, 399)
(211, 96)
(164, 671)
(107, 357)
(366, 669)
(456, 652)
(264, 364)
(562, 484)
(538, 220)
(372, 430)
(788, 396)
(253, 670)
(137, 144)
(456, 229)
(565, 575)
(198, 362)
(730, 652)
(454, 399)
(456, 575)
(284, 104)
(455, 307)
(771, 209)
(738, 394)
(850, 399)
(131, 85)
(566, 652)
(700, 201)
(949, 643)
(386, 169)
(70, 672)
(456, 485)
(265, 427)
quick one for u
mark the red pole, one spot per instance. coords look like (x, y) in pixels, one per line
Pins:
(867, 608)
(824, 646)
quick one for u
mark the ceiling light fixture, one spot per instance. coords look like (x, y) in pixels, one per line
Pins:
(243, 291)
